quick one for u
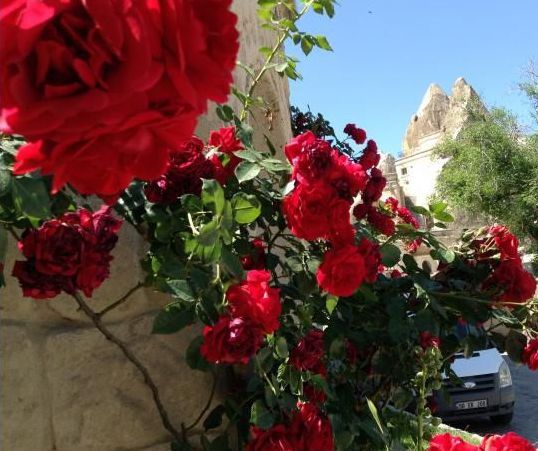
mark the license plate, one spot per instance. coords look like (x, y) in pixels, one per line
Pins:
(479, 403)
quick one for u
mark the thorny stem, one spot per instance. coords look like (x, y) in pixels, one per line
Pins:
(206, 407)
(120, 301)
(267, 63)
(148, 380)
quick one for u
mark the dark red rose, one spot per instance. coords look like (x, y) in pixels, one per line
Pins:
(69, 253)
(342, 271)
(104, 89)
(392, 204)
(381, 222)
(273, 439)
(507, 442)
(226, 144)
(347, 177)
(374, 187)
(256, 258)
(517, 285)
(360, 211)
(370, 157)
(187, 166)
(372, 259)
(313, 394)
(357, 134)
(231, 340)
(395, 274)
(406, 216)
(310, 430)
(256, 301)
(309, 353)
(306, 210)
(314, 159)
(530, 354)
(446, 442)
(428, 340)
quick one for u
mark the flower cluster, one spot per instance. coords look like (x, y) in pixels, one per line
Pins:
(498, 248)
(67, 254)
(103, 90)
(308, 429)
(507, 442)
(191, 161)
(309, 353)
(326, 183)
(253, 311)
(530, 354)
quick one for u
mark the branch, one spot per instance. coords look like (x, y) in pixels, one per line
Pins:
(120, 300)
(134, 360)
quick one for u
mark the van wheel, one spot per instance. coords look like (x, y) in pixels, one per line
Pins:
(503, 419)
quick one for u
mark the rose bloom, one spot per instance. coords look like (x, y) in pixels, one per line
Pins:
(370, 156)
(381, 222)
(530, 354)
(428, 340)
(186, 167)
(357, 134)
(256, 300)
(310, 430)
(67, 254)
(310, 157)
(273, 439)
(374, 187)
(225, 142)
(342, 271)
(314, 394)
(341, 231)
(505, 242)
(103, 90)
(231, 340)
(372, 259)
(446, 442)
(347, 177)
(507, 442)
(256, 258)
(309, 353)
(306, 210)
(517, 285)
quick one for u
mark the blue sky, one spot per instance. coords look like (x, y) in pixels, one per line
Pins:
(384, 60)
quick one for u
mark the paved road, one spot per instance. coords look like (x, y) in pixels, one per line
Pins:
(525, 421)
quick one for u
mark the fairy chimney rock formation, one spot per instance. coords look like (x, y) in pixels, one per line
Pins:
(439, 115)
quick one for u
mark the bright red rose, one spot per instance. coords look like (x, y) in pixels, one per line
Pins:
(530, 354)
(347, 177)
(406, 216)
(428, 340)
(374, 187)
(446, 442)
(225, 142)
(506, 243)
(306, 210)
(392, 204)
(255, 300)
(314, 160)
(310, 430)
(256, 258)
(381, 222)
(341, 231)
(517, 285)
(309, 353)
(104, 89)
(372, 259)
(186, 168)
(67, 254)
(413, 246)
(507, 442)
(342, 271)
(370, 157)
(231, 340)
(274, 439)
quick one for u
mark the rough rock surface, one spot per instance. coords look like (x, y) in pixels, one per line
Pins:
(64, 386)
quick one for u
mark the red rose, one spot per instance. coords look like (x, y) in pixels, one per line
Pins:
(342, 271)
(273, 439)
(295, 146)
(372, 259)
(392, 204)
(313, 394)
(428, 340)
(231, 340)
(341, 231)
(309, 353)
(381, 222)
(306, 210)
(406, 216)
(225, 142)
(255, 300)
(256, 259)
(506, 243)
(530, 354)
(310, 430)
(374, 187)
(314, 159)
(446, 442)
(68, 253)
(347, 177)
(187, 166)
(507, 442)
(360, 211)
(517, 285)
(370, 157)
(395, 274)
(357, 134)
(104, 89)
(413, 246)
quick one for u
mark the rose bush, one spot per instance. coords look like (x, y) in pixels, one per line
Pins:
(297, 273)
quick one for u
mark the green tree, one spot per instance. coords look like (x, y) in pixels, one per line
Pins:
(493, 171)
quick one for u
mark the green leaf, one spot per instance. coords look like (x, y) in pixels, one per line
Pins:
(322, 42)
(213, 196)
(5, 181)
(421, 211)
(31, 197)
(246, 170)
(246, 208)
(282, 348)
(191, 203)
(443, 216)
(181, 289)
(390, 255)
(214, 419)
(438, 207)
(260, 416)
(172, 318)
(193, 357)
(446, 255)
(375, 415)
(306, 45)
(209, 234)
(275, 165)
(225, 113)
(249, 155)
(331, 303)
(232, 264)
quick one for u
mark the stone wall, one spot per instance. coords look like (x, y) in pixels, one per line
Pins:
(64, 386)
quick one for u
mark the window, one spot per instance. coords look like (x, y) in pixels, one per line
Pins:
(404, 171)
